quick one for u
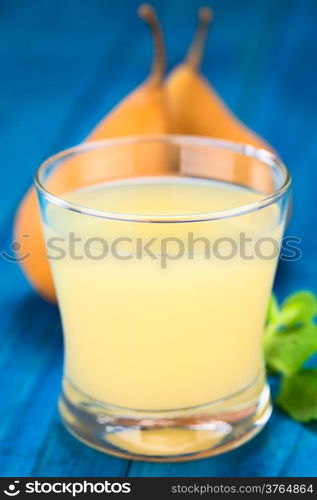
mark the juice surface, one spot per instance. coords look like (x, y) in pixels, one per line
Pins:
(176, 328)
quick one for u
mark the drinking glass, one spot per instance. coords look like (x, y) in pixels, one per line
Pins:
(163, 251)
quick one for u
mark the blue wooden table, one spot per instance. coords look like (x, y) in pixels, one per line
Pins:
(64, 63)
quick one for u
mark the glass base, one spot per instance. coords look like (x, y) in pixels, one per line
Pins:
(167, 436)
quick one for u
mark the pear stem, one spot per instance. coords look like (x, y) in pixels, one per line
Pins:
(194, 54)
(147, 13)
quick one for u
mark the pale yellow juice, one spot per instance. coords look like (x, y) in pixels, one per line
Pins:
(175, 328)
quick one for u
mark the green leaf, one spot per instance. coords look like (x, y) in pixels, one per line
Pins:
(298, 396)
(290, 338)
(299, 308)
(273, 310)
(286, 351)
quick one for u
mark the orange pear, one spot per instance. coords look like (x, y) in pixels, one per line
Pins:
(194, 106)
(141, 112)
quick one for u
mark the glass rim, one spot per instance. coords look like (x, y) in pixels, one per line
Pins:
(267, 157)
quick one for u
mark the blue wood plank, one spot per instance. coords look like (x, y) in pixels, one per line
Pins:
(61, 454)
(64, 64)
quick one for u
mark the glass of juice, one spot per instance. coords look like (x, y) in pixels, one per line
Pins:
(163, 251)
